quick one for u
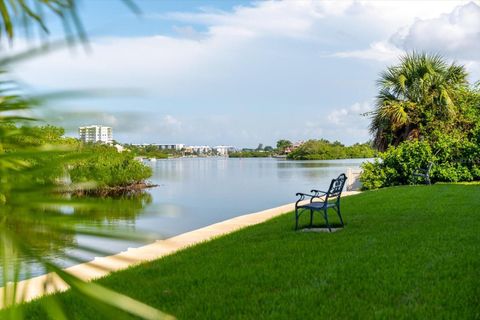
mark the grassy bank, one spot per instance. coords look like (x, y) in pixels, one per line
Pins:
(407, 252)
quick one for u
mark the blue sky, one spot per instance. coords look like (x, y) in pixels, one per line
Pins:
(241, 72)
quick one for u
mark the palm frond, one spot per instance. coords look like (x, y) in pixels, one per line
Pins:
(420, 87)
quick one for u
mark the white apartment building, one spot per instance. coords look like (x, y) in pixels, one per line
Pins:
(95, 133)
(224, 150)
(176, 146)
(199, 149)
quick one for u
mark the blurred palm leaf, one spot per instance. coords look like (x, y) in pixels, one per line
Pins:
(34, 227)
(31, 15)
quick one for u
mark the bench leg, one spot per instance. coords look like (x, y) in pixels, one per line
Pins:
(296, 218)
(339, 215)
(325, 215)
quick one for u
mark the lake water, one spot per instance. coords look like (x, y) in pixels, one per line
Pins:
(196, 192)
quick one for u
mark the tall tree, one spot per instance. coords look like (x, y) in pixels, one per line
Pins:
(414, 96)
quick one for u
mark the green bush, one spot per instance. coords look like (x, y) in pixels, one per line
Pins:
(373, 175)
(108, 168)
(454, 160)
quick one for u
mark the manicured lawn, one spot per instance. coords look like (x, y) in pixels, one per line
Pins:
(407, 252)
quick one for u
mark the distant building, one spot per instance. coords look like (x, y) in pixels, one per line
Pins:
(223, 150)
(95, 133)
(175, 146)
(199, 149)
(293, 147)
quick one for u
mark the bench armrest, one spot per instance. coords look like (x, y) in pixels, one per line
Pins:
(301, 194)
(302, 197)
(318, 192)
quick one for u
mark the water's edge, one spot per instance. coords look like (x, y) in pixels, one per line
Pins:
(39, 286)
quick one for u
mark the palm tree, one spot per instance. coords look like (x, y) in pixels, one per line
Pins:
(414, 95)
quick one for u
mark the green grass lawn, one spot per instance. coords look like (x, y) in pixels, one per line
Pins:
(406, 252)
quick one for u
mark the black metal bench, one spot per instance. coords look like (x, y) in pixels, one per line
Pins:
(327, 199)
(424, 173)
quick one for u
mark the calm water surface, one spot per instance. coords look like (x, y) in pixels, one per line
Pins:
(196, 192)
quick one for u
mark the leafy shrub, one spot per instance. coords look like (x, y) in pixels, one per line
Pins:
(397, 165)
(373, 175)
(454, 160)
(108, 168)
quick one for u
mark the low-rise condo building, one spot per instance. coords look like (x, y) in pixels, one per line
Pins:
(199, 149)
(161, 146)
(96, 133)
(223, 150)
(176, 146)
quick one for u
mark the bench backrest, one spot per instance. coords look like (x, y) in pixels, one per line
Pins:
(336, 187)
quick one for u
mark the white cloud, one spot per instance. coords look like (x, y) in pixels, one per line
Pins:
(170, 121)
(380, 51)
(274, 28)
(346, 124)
(293, 18)
(312, 130)
(153, 125)
(474, 68)
(109, 119)
(456, 34)
(337, 116)
(351, 121)
(270, 60)
(351, 115)
(188, 32)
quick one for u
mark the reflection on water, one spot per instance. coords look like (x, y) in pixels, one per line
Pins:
(54, 231)
(113, 210)
(314, 171)
(192, 193)
(311, 164)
